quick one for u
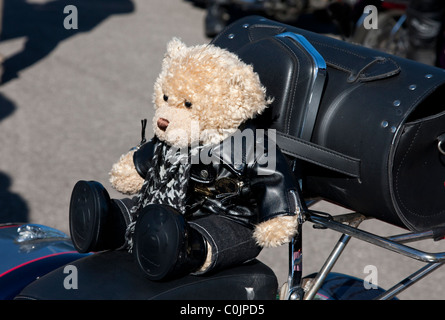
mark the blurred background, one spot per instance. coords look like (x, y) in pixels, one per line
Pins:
(71, 101)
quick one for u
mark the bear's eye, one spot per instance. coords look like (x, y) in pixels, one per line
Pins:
(188, 104)
(165, 98)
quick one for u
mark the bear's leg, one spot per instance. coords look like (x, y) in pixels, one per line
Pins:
(230, 242)
(164, 245)
(97, 222)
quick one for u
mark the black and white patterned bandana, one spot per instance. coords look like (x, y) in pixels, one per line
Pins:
(166, 182)
(167, 179)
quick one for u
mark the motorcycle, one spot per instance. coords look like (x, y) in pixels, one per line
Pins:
(393, 32)
(38, 261)
(377, 176)
(30, 251)
(222, 12)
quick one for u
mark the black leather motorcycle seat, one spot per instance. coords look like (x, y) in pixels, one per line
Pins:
(113, 275)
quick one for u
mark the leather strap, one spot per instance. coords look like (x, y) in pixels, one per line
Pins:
(313, 153)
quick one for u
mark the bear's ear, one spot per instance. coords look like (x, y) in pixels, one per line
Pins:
(175, 47)
(237, 77)
(243, 76)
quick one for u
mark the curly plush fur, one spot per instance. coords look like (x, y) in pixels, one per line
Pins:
(124, 177)
(276, 232)
(204, 93)
(222, 90)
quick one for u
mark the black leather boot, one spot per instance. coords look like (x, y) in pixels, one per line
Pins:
(164, 245)
(96, 222)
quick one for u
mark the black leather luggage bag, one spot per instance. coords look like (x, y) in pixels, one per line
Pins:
(369, 126)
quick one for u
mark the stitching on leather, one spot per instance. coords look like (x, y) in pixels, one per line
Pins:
(318, 163)
(255, 26)
(369, 75)
(386, 61)
(337, 49)
(398, 175)
(290, 107)
(325, 150)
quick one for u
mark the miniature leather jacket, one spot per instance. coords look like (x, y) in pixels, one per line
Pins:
(245, 178)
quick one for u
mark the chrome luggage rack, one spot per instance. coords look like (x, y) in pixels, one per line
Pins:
(347, 225)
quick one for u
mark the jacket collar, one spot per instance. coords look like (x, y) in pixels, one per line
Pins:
(236, 151)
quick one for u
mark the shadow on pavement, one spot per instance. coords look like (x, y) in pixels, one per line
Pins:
(13, 208)
(43, 26)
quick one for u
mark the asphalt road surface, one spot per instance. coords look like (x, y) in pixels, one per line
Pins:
(72, 104)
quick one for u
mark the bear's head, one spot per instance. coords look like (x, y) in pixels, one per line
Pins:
(203, 94)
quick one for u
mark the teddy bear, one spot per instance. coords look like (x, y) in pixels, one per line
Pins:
(209, 190)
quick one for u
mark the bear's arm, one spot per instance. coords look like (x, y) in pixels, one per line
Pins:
(275, 190)
(128, 174)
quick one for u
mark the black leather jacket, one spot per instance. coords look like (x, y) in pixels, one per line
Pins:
(246, 182)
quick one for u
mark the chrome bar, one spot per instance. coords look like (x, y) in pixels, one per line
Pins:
(412, 236)
(409, 281)
(354, 220)
(295, 291)
(378, 241)
(327, 267)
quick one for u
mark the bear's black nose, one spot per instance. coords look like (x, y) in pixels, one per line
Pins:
(162, 124)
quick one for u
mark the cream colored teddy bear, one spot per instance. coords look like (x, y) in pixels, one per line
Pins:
(208, 174)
